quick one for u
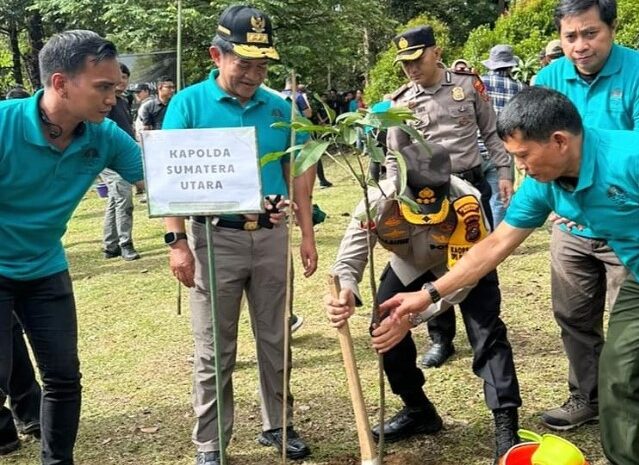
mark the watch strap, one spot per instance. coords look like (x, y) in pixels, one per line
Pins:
(171, 238)
(432, 291)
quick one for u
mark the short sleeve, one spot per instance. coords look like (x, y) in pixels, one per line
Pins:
(176, 116)
(126, 158)
(530, 206)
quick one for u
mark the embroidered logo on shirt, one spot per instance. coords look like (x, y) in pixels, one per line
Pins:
(617, 195)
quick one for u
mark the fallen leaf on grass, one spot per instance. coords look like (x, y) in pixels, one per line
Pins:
(150, 429)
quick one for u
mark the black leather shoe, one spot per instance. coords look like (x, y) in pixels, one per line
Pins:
(208, 458)
(129, 253)
(295, 447)
(408, 422)
(9, 447)
(437, 355)
(112, 253)
(506, 426)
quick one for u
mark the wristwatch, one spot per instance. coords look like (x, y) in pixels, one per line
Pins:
(415, 319)
(171, 238)
(432, 291)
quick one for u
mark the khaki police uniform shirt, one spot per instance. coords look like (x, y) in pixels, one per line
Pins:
(449, 114)
(428, 243)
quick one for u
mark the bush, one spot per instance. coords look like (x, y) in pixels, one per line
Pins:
(529, 26)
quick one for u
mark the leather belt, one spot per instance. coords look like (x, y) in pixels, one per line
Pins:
(245, 225)
(474, 175)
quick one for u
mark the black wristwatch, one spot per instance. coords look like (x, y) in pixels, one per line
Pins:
(432, 291)
(171, 238)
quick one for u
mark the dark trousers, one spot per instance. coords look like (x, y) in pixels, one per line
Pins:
(492, 353)
(46, 309)
(24, 392)
(442, 328)
(320, 173)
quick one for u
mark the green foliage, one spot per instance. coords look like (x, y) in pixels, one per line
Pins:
(464, 15)
(385, 77)
(628, 30)
(529, 26)
(526, 69)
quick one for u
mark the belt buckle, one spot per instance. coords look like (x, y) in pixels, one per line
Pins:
(251, 226)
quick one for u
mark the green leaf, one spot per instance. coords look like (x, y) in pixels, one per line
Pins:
(410, 202)
(329, 111)
(271, 157)
(349, 118)
(281, 124)
(394, 116)
(414, 134)
(311, 152)
(402, 171)
(374, 151)
(349, 135)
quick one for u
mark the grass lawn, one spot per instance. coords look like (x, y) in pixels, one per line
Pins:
(135, 353)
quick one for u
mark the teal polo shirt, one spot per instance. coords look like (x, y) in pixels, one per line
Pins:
(611, 101)
(207, 105)
(606, 198)
(40, 186)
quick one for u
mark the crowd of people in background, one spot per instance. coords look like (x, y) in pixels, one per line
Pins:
(474, 125)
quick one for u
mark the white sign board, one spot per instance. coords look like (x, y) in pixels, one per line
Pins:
(202, 172)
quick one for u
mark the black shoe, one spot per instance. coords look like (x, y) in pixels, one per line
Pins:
(410, 421)
(295, 447)
(208, 458)
(112, 253)
(9, 447)
(296, 322)
(325, 185)
(437, 355)
(506, 426)
(129, 253)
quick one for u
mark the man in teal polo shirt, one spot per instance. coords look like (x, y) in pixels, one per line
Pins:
(571, 172)
(54, 144)
(601, 79)
(250, 257)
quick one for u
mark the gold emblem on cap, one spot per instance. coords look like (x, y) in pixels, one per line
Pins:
(426, 196)
(458, 94)
(258, 24)
(403, 43)
(257, 37)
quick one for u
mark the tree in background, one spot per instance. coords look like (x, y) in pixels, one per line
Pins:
(466, 15)
(528, 27)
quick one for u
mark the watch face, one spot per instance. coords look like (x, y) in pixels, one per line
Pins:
(173, 237)
(169, 238)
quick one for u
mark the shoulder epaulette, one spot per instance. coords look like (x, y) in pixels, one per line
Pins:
(465, 72)
(400, 91)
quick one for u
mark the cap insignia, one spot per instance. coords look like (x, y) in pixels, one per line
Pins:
(258, 24)
(403, 43)
(426, 196)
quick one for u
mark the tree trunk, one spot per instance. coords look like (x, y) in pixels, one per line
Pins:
(15, 52)
(35, 34)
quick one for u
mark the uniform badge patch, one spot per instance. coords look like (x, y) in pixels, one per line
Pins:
(481, 89)
(458, 94)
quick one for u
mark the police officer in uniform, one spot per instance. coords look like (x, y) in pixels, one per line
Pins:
(251, 250)
(423, 246)
(450, 107)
